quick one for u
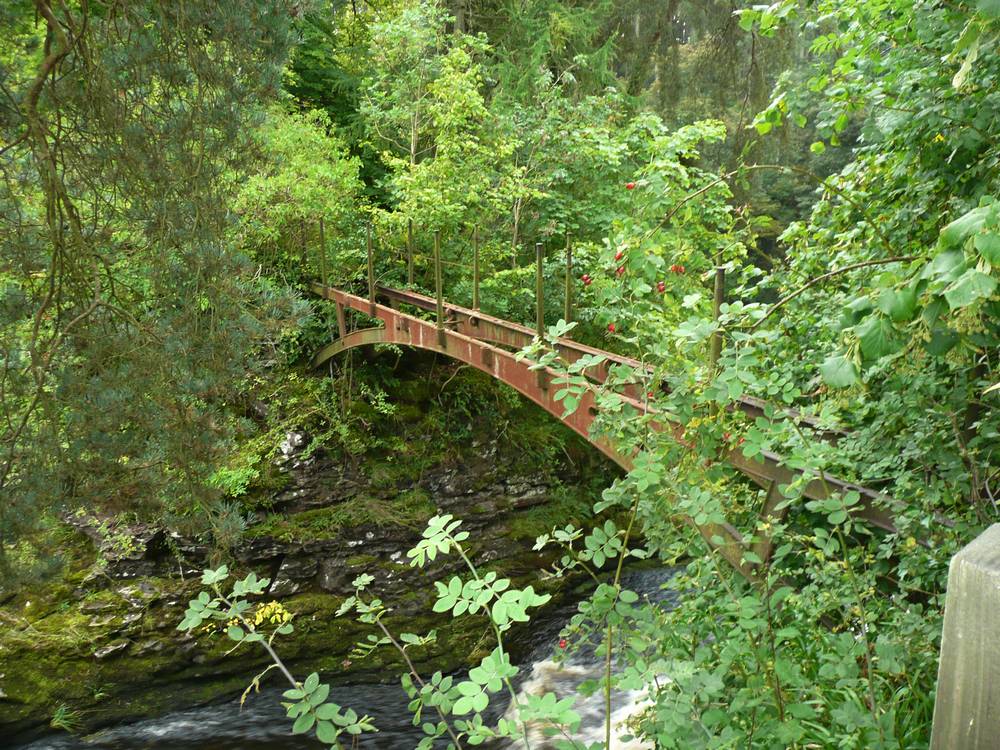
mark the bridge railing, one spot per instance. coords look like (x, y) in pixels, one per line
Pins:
(436, 263)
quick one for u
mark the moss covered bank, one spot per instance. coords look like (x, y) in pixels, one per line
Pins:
(97, 644)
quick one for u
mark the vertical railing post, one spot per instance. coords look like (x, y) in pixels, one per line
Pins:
(341, 320)
(438, 287)
(475, 268)
(302, 241)
(371, 271)
(540, 306)
(322, 253)
(568, 307)
(409, 252)
(539, 291)
(718, 298)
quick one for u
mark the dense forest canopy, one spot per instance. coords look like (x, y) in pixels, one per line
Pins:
(176, 174)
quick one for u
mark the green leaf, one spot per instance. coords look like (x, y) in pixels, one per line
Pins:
(480, 702)
(326, 732)
(898, 304)
(328, 711)
(945, 266)
(319, 695)
(235, 633)
(837, 517)
(942, 341)
(210, 577)
(311, 683)
(988, 245)
(303, 723)
(989, 8)
(838, 371)
(964, 226)
(877, 336)
(969, 287)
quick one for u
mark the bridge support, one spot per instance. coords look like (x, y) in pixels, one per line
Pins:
(967, 708)
(539, 291)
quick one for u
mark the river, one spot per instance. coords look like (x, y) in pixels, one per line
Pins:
(261, 724)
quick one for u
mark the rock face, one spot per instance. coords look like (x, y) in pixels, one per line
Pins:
(114, 652)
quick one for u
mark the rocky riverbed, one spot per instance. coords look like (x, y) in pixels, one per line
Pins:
(100, 645)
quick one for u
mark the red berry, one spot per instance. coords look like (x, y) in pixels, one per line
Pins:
(661, 287)
(649, 393)
(611, 328)
(621, 270)
(741, 441)
(588, 282)
(619, 255)
(562, 643)
(726, 436)
(680, 269)
(630, 186)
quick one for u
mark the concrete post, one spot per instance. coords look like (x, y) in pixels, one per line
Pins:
(967, 708)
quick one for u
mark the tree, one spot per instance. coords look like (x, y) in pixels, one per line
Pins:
(128, 319)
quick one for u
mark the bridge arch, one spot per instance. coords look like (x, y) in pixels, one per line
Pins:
(536, 385)
(467, 336)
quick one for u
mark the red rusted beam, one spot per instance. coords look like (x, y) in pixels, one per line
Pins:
(403, 329)
(516, 336)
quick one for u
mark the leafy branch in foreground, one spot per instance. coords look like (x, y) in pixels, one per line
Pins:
(307, 699)
(460, 706)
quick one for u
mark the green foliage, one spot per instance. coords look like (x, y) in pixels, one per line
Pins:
(458, 703)
(409, 510)
(127, 317)
(307, 176)
(65, 719)
(307, 703)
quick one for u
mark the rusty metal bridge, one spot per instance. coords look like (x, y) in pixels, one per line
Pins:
(490, 344)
